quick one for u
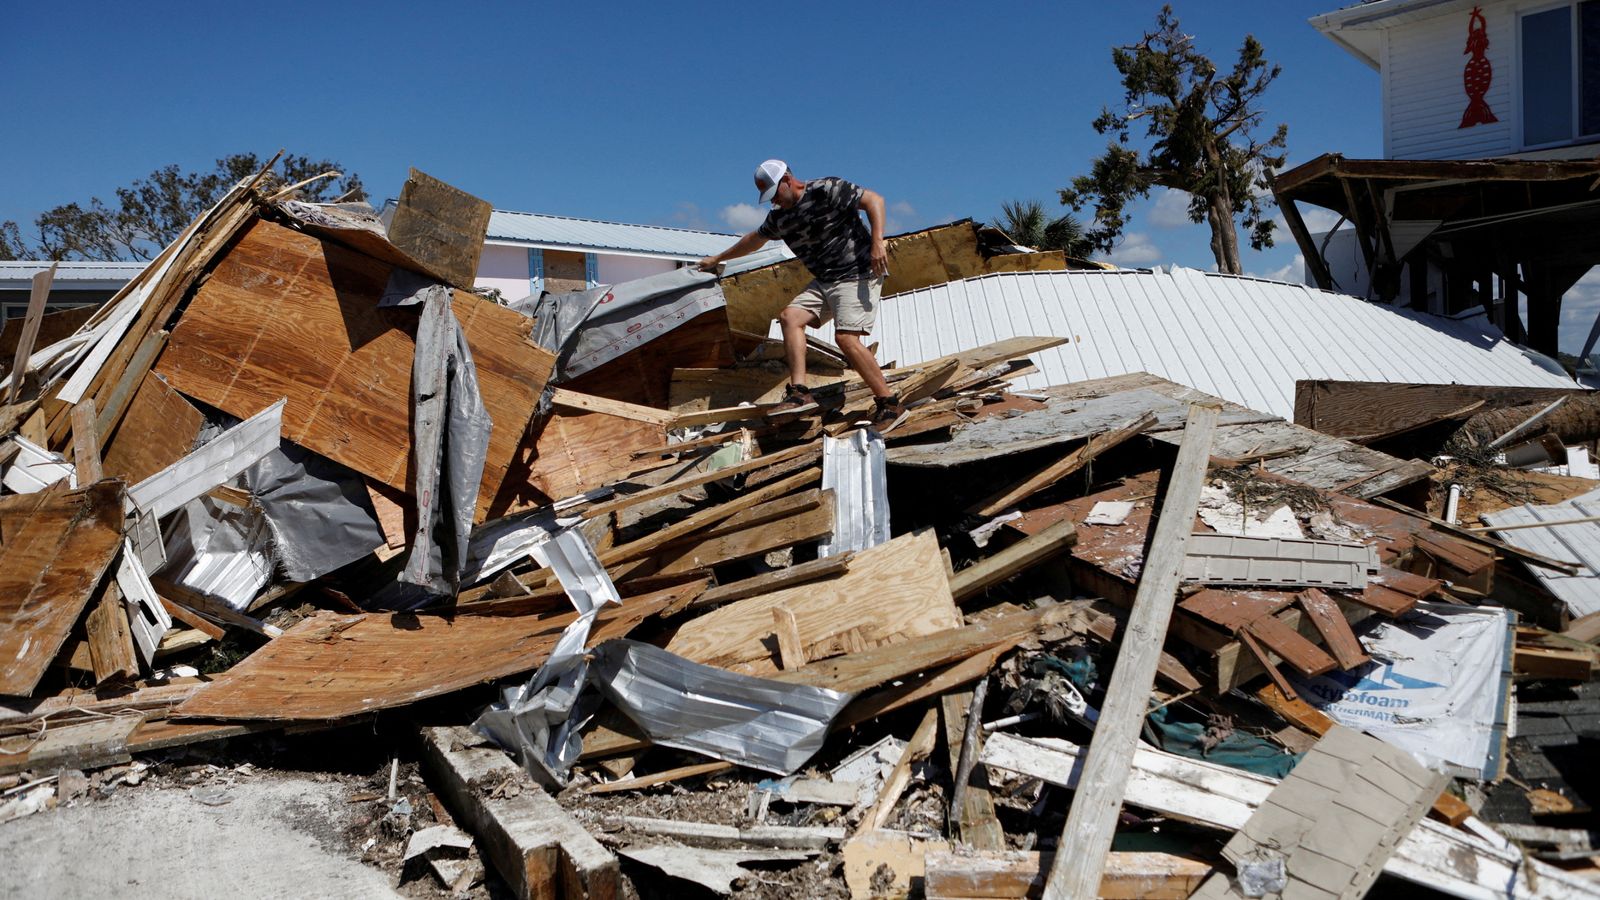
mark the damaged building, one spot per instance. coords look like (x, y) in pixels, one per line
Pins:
(645, 635)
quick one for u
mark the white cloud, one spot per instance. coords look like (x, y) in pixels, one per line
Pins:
(1318, 221)
(743, 216)
(1135, 250)
(902, 218)
(687, 215)
(1579, 307)
(1293, 271)
(1171, 209)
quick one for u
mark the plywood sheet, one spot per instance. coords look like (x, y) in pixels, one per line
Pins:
(159, 429)
(892, 592)
(55, 546)
(285, 314)
(643, 375)
(334, 665)
(574, 451)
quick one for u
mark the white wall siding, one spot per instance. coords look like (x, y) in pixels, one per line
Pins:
(505, 268)
(617, 269)
(1423, 64)
(1243, 339)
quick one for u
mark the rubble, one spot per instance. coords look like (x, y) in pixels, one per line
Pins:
(297, 476)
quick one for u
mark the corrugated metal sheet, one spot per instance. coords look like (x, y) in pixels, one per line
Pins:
(588, 234)
(1242, 339)
(1579, 543)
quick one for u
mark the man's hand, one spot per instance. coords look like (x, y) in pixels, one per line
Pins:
(880, 258)
(708, 264)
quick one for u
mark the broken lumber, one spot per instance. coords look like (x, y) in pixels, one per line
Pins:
(1016, 874)
(1092, 817)
(536, 847)
(990, 571)
(1072, 462)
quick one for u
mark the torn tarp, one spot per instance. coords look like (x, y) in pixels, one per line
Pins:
(319, 511)
(539, 722)
(450, 434)
(589, 328)
(755, 722)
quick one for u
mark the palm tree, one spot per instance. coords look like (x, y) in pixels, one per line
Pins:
(1027, 224)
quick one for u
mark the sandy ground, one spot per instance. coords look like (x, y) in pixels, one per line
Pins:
(278, 837)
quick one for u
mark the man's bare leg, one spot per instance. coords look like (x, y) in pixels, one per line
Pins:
(794, 321)
(860, 359)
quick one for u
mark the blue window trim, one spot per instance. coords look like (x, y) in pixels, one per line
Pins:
(591, 270)
(535, 271)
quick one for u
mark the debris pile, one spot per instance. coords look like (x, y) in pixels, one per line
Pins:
(298, 474)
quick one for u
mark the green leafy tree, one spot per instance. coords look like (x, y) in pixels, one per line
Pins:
(1028, 224)
(1197, 124)
(152, 211)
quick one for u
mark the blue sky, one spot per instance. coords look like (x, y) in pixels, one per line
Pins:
(642, 112)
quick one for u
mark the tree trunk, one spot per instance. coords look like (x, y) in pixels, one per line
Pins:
(1575, 421)
(1219, 213)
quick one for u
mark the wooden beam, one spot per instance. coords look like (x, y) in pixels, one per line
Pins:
(1334, 628)
(110, 641)
(791, 651)
(86, 443)
(1063, 467)
(538, 849)
(590, 403)
(972, 806)
(813, 448)
(815, 570)
(1016, 874)
(37, 296)
(916, 749)
(990, 571)
(1092, 819)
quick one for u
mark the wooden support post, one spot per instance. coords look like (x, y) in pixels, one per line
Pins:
(1063, 467)
(972, 816)
(30, 330)
(1308, 247)
(791, 651)
(1091, 822)
(110, 641)
(538, 849)
(976, 578)
(86, 443)
(920, 745)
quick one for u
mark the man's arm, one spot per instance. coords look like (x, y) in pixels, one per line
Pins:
(872, 204)
(746, 245)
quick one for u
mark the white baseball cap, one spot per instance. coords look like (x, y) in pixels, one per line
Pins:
(768, 174)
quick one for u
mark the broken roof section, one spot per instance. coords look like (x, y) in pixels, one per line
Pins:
(1246, 340)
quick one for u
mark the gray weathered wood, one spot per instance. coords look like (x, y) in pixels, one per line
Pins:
(1091, 822)
(30, 330)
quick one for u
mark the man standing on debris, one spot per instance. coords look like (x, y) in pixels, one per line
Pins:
(819, 220)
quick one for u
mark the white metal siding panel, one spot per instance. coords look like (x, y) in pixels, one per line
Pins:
(1243, 339)
(505, 268)
(617, 269)
(587, 234)
(1424, 64)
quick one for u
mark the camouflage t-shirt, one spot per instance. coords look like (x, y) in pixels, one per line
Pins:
(825, 230)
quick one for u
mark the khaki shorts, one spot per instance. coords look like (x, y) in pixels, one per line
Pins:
(853, 305)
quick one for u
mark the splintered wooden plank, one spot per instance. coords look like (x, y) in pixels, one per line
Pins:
(331, 665)
(1020, 873)
(57, 545)
(1334, 628)
(575, 452)
(892, 592)
(1303, 656)
(159, 429)
(1091, 820)
(809, 521)
(285, 314)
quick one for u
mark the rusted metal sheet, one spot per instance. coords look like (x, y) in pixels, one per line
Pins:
(334, 665)
(55, 546)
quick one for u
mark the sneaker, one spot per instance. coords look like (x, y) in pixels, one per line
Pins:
(887, 412)
(795, 397)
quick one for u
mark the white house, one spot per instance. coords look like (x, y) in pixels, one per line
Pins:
(1471, 80)
(527, 253)
(1491, 133)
